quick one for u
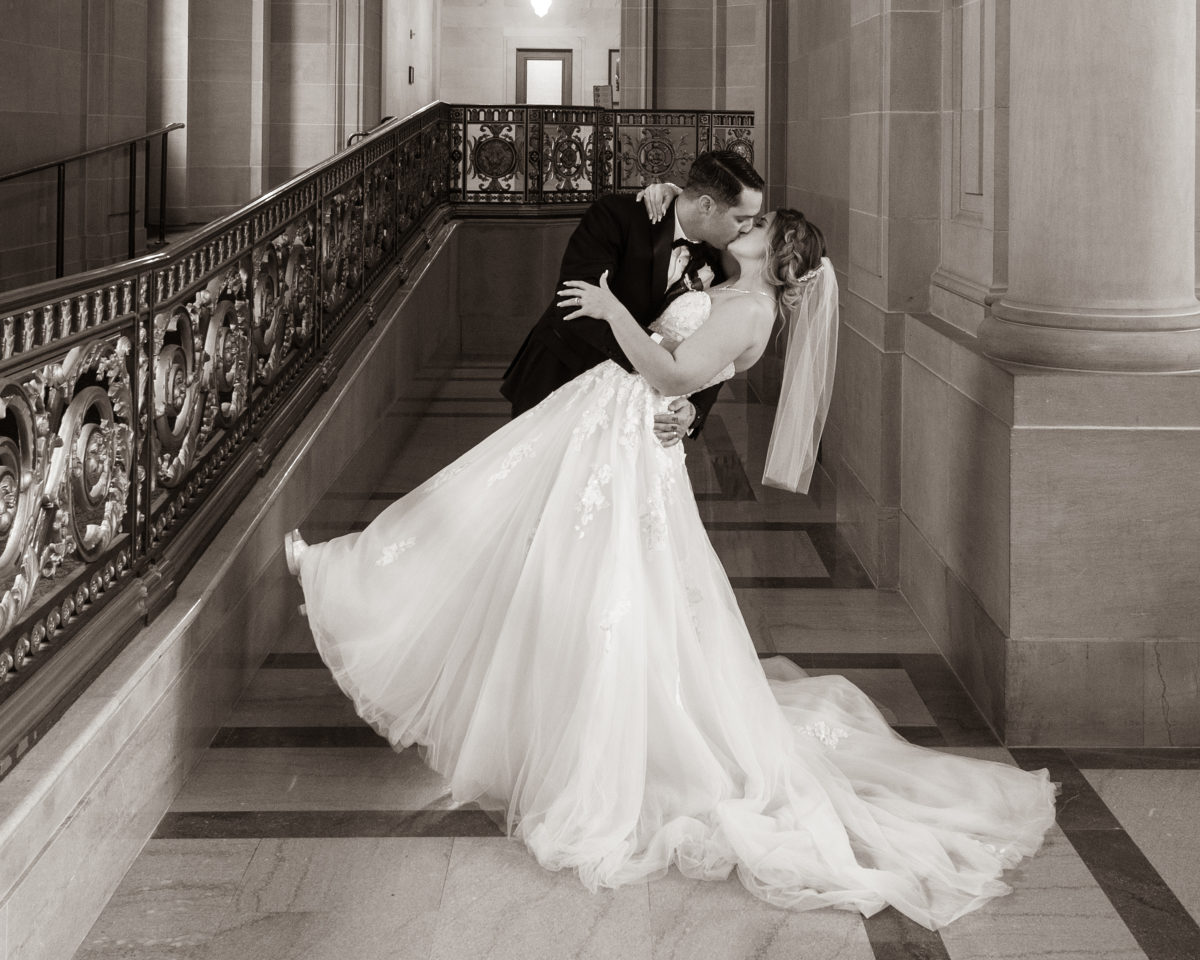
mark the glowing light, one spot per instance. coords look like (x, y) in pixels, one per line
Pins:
(540, 7)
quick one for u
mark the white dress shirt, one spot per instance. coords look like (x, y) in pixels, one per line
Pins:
(680, 256)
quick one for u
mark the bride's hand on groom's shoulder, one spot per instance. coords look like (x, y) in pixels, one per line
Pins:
(590, 300)
(657, 197)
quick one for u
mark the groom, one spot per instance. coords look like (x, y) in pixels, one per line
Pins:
(647, 265)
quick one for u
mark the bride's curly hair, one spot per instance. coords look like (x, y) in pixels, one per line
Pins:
(795, 249)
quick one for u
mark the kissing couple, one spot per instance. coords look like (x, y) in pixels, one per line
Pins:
(546, 618)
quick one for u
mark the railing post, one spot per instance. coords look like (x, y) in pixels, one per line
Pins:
(132, 197)
(146, 195)
(162, 190)
(59, 218)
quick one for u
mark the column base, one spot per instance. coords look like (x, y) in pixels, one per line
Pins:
(1125, 342)
(1048, 541)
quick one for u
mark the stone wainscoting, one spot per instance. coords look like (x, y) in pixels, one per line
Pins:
(1049, 529)
(79, 807)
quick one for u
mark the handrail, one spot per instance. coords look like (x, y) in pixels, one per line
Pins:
(141, 400)
(363, 134)
(12, 300)
(61, 188)
(90, 153)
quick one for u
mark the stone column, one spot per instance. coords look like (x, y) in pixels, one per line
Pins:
(1102, 271)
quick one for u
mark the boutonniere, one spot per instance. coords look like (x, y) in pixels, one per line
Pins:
(700, 278)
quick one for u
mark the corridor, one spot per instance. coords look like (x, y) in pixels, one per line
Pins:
(301, 836)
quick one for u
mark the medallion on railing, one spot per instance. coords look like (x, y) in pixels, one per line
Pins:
(201, 364)
(283, 297)
(733, 132)
(378, 237)
(653, 154)
(567, 151)
(423, 173)
(409, 185)
(495, 145)
(657, 146)
(341, 250)
(66, 469)
(434, 143)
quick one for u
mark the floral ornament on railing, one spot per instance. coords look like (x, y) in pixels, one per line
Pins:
(201, 351)
(494, 151)
(660, 153)
(341, 267)
(377, 214)
(66, 464)
(566, 157)
(283, 307)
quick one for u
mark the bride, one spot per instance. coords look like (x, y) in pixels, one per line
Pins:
(547, 619)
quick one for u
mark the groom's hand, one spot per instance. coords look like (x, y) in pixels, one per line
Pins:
(672, 426)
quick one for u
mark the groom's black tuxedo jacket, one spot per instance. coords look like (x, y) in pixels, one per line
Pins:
(614, 235)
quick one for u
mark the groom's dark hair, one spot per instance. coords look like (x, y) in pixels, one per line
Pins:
(723, 175)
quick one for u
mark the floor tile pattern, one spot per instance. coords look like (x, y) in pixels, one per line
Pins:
(301, 834)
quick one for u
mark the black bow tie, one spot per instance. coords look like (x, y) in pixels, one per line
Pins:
(692, 245)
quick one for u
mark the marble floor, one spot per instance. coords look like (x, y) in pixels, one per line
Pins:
(301, 835)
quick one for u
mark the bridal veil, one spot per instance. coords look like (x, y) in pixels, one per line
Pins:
(807, 385)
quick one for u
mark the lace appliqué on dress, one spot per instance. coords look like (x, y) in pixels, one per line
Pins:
(684, 315)
(830, 736)
(593, 498)
(522, 451)
(615, 615)
(654, 526)
(393, 550)
(447, 474)
(635, 402)
(594, 417)
(662, 492)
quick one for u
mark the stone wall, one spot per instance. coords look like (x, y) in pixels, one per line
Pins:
(1037, 520)
(74, 77)
(861, 162)
(267, 88)
(410, 31)
(478, 40)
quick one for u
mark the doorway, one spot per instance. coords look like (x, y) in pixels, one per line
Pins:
(544, 77)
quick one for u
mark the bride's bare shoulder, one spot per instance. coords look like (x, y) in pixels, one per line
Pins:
(746, 305)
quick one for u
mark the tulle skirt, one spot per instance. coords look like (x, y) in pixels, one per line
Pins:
(548, 620)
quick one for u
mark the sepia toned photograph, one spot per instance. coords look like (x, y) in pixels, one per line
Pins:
(599, 480)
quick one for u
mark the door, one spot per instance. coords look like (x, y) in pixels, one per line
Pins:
(544, 77)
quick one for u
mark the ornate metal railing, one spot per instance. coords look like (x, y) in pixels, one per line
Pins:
(567, 156)
(139, 402)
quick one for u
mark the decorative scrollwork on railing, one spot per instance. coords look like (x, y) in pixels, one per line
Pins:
(572, 155)
(283, 297)
(201, 363)
(658, 154)
(341, 250)
(495, 142)
(138, 403)
(568, 148)
(66, 464)
(377, 215)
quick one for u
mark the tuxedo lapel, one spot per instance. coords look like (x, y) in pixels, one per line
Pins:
(662, 233)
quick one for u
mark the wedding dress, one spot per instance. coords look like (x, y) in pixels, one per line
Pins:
(547, 619)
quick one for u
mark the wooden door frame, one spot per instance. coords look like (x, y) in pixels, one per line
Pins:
(565, 56)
